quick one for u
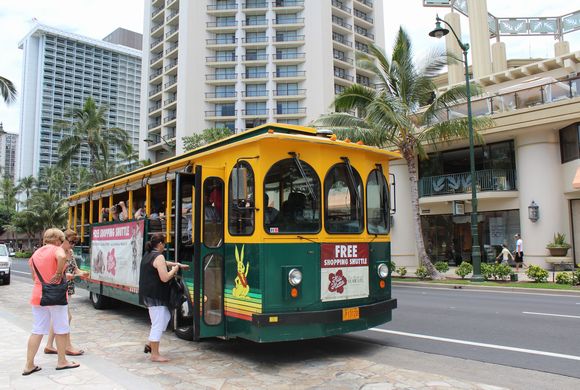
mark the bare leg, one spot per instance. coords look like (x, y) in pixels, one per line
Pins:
(69, 346)
(50, 341)
(155, 356)
(61, 349)
(33, 344)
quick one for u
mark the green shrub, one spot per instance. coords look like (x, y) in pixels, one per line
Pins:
(392, 266)
(402, 271)
(442, 266)
(22, 254)
(537, 273)
(502, 271)
(576, 277)
(487, 271)
(464, 269)
(422, 272)
(564, 278)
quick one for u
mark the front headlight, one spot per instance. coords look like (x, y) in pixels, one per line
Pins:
(294, 277)
(383, 270)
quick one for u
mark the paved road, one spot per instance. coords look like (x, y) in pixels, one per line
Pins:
(527, 330)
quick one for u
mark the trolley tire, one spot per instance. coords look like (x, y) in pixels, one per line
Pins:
(185, 332)
(99, 301)
(6, 280)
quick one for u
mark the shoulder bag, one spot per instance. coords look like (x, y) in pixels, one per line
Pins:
(52, 294)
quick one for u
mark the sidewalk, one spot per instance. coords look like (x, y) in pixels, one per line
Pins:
(114, 359)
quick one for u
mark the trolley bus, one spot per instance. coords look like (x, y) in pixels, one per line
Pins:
(285, 230)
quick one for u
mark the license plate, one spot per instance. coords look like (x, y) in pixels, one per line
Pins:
(351, 313)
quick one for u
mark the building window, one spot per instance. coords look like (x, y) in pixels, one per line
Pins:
(570, 143)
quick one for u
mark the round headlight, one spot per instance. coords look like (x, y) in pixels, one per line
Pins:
(295, 277)
(383, 270)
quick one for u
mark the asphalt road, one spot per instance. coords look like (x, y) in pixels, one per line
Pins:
(531, 330)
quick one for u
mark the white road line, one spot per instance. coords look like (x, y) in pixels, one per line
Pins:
(549, 314)
(20, 272)
(483, 345)
(448, 287)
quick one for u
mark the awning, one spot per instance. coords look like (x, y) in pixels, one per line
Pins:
(576, 181)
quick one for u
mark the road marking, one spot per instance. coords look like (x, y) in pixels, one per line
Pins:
(476, 344)
(20, 272)
(447, 287)
(549, 314)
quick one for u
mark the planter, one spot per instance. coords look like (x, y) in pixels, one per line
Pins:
(513, 277)
(558, 252)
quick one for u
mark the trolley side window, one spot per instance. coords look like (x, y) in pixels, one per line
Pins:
(343, 200)
(213, 211)
(241, 204)
(291, 198)
(378, 221)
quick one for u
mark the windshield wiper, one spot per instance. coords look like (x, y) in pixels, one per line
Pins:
(352, 181)
(383, 193)
(303, 174)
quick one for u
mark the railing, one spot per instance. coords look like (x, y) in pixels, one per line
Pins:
(255, 111)
(344, 76)
(221, 95)
(341, 23)
(289, 110)
(156, 58)
(222, 6)
(155, 74)
(221, 113)
(289, 56)
(290, 73)
(363, 16)
(367, 3)
(256, 4)
(255, 75)
(222, 58)
(460, 183)
(154, 108)
(288, 3)
(341, 40)
(288, 38)
(171, 48)
(364, 32)
(340, 5)
(153, 125)
(169, 118)
(255, 40)
(171, 64)
(169, 101)
(258, 93)
(255, 57)
(156, 26)
(156, 90)
(221, 41)
(227, 23)
(171, 15)
(170, 83)
(155, 42)
(156, 12)
(288, 21)
(171, 31)
(226, 76)
(343, 58)
(289, 92)
(255, 22)
(519, 99)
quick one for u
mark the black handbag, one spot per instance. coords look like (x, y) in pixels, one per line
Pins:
(52, 294)
(176, 293)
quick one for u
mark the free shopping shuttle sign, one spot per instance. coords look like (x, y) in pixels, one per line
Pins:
(344, 271)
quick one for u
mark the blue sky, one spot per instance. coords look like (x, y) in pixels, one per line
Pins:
(96, 19)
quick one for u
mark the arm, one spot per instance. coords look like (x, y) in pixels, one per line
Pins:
(101, 214)
(174, 264)
(124, 212)
(161, 266)
(60, 264)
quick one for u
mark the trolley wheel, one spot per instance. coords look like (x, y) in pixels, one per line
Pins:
(6, 280)
(99, 301)
(185, 332)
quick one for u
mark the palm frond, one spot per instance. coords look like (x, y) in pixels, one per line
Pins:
(7, 90)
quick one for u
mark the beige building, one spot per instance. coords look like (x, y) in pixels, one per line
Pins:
(529, 158)
(239, 64)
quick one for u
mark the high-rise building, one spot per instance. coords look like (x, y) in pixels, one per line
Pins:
(239, 64)
(60, 71)
(8, 143)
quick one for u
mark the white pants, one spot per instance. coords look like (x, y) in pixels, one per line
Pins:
(160, 317)
(42, 316)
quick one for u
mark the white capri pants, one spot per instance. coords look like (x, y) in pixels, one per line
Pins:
(160, 317)
(42, 315)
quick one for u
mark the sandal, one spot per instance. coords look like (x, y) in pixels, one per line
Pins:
(147, 349)
(75, 353)
(50, 351)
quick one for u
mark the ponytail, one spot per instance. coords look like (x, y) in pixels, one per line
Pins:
(155, 240)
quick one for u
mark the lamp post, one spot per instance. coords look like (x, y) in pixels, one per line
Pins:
(439, 32)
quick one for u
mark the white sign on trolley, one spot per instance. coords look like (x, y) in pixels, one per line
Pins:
(344, 271)
(116, 252)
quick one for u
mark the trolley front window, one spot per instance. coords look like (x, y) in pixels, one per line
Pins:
(242, 204)
(378, 221)
(343, 200)
(291, 198)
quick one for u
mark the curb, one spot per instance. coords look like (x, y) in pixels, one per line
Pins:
(489, 288)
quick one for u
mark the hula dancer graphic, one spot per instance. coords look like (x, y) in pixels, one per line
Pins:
(241, 288)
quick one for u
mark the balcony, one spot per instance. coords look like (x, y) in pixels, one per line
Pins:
(363, 17)
(155, 107)
(171, 48)
(344, 76)
(222, 42)
(255, 24)
(225, 60)
(155, 42)
(255, 95)
(343, 58)
(256, 5)
(288, 22)
(169, 84)
(290, 94)
(290, 111)
(155, 73)
(364, 33)
(262, 57)
(221, 7)
(222, 25)
(221, 77)
(255, 76)
(153, 125)
(171, 15)
(255, 112)
(340, 5)
(221, 96)
(255, 42)
(341, 23)
(171, 66)
(170, 101)
(341, 40)
(288, 4)
(155, 90)
(289, 58)
(365, 3)
(460, 183)
(170, 31)
(169, 118)
(221, 114)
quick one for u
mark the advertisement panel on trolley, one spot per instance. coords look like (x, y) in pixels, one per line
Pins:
(344, 271)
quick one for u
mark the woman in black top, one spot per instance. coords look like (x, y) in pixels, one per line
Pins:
(154, 291)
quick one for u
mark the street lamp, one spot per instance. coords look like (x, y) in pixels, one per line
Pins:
(439, 32)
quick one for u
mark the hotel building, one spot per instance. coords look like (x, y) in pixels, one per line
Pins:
(60, 71)
(239, 64)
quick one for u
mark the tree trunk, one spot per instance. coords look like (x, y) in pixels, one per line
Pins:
(413, 179)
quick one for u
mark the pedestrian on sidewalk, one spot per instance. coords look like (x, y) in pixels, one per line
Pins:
(50, 261)
(505, 254)
(72, 270)
(154, 291)
(519, 252)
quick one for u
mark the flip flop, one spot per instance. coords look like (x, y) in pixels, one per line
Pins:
(71, 365)
(77, 353)
(49, 351)
(35, 369)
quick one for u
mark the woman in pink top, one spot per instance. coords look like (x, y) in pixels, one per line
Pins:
(50, 261)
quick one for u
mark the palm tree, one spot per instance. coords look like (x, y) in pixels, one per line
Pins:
(8, 191)
(7, 90)
(207, 136)
(88, 129)
(49, 208)
(26, 185)
(402, 113)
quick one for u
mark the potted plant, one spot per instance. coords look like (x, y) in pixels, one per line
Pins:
(559, 247)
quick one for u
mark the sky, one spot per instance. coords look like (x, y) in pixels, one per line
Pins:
(96, 19)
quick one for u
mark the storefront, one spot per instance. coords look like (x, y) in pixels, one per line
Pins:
(448, 237)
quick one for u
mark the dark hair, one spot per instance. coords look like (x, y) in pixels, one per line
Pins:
(154, 241)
